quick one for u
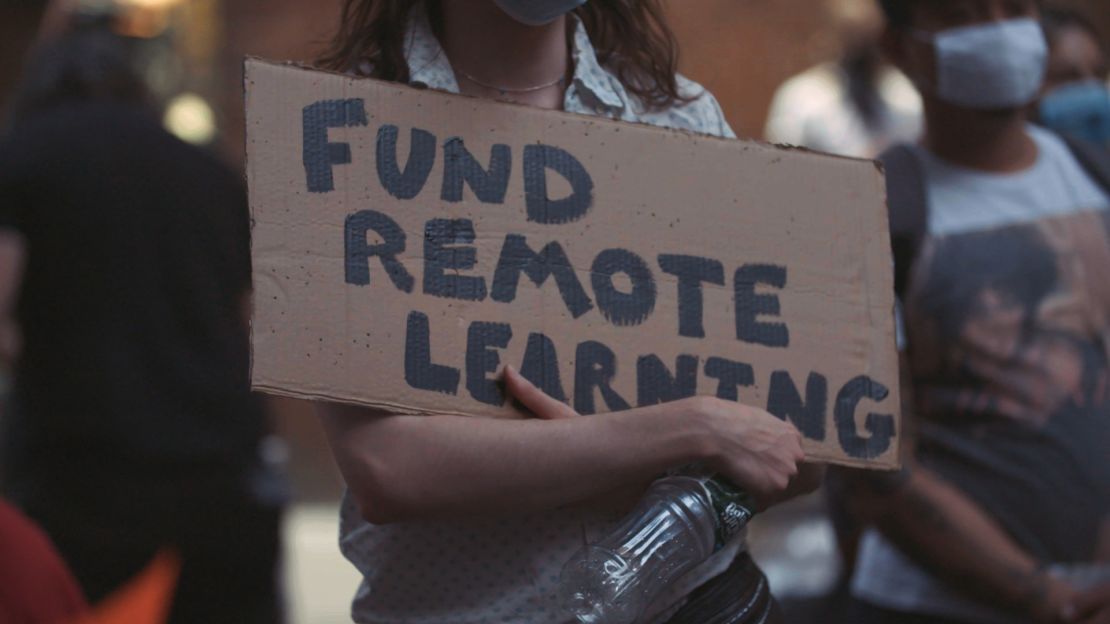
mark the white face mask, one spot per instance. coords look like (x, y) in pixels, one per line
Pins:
(538, 12)
(992, 66)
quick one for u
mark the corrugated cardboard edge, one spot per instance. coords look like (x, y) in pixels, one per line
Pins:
(884, 232)
(247, 60)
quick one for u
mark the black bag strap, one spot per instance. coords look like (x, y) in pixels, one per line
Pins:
(1094, 159)
(907, 199)
(739, 595)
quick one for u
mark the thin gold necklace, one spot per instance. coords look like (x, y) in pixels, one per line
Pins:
(508, 90)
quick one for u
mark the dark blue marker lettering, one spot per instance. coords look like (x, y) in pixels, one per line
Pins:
(482, 359)
(420, 372)
(408, 183)
(692, 272)
(541, 208)
(320, 155)
(595, 366)
(808, 416)
(731, 376)
(749, 306)
(541, 366)
(358, 251)
(460, 166)
(879, 426)
(655, 384)
(517, 257)
(448, 246)
(620, 308)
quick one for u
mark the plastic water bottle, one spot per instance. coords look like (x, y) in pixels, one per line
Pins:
(676, 526)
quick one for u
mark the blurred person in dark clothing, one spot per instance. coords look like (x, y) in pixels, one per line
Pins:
(90, 64)
(132, 427)
(36, 587)
(19, 24)
(35, 584)
(1076, 97)
(1001, 233)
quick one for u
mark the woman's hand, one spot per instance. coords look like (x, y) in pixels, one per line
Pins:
(752, 448)
(544, 407)
(541, 405)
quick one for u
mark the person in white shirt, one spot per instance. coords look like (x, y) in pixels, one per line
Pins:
(856, 105)
(1001, 237)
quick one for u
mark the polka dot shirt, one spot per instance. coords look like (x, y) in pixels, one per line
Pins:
(505, 570)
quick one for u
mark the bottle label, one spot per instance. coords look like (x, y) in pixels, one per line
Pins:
(734, 509)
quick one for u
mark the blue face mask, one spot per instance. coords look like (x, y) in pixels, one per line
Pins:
(538, 12)
(1080, 109)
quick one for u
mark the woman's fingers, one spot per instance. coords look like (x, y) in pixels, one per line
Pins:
(535, 399)
(756, 450)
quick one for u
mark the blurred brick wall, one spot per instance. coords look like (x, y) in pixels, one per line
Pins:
(17, 28)
(280, 30)
(740, 49)
(743, 49)
(273, 29)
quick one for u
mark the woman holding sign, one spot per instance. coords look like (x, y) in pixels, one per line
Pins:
(465, 520)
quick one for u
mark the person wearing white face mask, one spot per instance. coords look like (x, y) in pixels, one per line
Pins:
(468, 521)
(1002, 512)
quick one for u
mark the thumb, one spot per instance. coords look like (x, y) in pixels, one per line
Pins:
(535, 399)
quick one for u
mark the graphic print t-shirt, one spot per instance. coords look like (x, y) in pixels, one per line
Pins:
(1008, 327)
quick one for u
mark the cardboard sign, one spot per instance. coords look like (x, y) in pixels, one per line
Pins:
(408, 244)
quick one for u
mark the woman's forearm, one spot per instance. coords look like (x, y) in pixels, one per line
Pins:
(426, 467)
(423, 467)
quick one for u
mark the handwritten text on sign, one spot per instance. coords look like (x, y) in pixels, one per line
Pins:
(475, 249)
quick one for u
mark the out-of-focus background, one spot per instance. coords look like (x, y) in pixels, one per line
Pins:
(191, 52)
(741, 50)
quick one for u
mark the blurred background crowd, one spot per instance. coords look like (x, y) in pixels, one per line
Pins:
(803, 72)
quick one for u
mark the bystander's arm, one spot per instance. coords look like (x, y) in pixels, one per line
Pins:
(948, 534)
(944, 531)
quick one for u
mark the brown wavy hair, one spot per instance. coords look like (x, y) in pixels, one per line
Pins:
(631, 37)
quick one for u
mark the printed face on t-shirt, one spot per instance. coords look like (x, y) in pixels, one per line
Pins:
(1004, 316)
